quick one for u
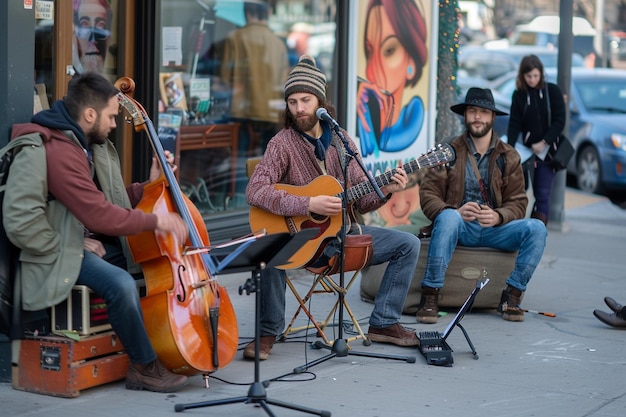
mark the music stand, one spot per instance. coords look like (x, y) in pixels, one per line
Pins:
(433, 344)
(255, 255)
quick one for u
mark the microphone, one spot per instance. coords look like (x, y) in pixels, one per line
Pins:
(322, 114)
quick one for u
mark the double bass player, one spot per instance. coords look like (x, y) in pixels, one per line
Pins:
(70, 226)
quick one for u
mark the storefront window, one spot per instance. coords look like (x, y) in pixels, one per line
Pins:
(84, 39)
(223, 67)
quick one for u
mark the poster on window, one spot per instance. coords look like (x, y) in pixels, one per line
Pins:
(95, 37)
(394, 75)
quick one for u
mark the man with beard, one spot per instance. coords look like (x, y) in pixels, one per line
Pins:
(67, 208)
(302, 151)
(479, 201)
(92, 34)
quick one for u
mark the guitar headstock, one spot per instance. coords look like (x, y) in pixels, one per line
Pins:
(135, 110)
(441, 154)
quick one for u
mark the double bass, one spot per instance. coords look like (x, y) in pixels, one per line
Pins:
(188, 315)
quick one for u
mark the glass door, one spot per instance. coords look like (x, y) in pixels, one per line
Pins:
(83, 35)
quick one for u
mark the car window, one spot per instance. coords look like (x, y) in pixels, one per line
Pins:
(603, 96)
(506, 87)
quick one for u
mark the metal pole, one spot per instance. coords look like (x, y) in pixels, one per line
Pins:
(600, 39)
(557, 199)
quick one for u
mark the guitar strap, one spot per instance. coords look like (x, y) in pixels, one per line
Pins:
(481, 181)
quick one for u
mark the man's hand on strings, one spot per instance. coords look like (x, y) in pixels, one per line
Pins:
(326, 205)
(399, 180)
(155, 169)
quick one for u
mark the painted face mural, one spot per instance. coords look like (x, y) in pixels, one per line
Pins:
(395, 52)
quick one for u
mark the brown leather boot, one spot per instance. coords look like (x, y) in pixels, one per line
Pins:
(510, 303)
(428, 308)
(153, 377)
(265, 348)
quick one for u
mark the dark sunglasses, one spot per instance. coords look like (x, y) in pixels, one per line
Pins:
(91, 33)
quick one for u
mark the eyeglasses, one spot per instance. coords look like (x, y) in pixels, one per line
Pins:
(92, 33)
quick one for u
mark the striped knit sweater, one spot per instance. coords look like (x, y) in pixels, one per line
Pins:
(290, 159)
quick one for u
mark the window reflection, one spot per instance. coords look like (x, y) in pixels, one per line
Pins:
(231, 59)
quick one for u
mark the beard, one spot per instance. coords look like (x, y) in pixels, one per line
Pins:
(481, 131)
(305, 124)
(95, 136)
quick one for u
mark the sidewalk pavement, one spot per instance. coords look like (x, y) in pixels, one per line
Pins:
(571, 365)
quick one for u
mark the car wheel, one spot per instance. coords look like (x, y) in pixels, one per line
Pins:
(588, 171)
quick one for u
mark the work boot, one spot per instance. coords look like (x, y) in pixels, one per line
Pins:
(510, 303)
(396, 334)
(265, 348)
(428, 308)
(153, 377)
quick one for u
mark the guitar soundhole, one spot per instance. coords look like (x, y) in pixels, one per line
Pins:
(322, 225)
(318, 218)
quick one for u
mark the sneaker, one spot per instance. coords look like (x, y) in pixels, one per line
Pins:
(510, 304)
(428, 308)
(396, 334)
(265, 348)
(153, 377)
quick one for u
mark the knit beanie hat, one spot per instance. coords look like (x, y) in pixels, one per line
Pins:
(305, 77)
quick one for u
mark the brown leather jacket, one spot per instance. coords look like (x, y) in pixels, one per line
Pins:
(445, 187)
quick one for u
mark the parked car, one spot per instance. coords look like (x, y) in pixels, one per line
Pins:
(491, 63)
(597, 124)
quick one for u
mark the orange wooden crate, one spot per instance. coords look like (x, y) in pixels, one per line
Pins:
(63, 367)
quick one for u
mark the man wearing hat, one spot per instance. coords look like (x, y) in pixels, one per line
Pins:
(302, 151)
(480, 200)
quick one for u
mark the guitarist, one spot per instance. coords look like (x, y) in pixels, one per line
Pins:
(302, 151)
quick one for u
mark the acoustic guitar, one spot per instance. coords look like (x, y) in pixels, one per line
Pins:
(329, 226)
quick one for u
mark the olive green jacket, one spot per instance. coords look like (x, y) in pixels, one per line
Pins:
(50, 237)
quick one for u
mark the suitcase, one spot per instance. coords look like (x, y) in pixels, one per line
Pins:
(467, 266)
(62, 367)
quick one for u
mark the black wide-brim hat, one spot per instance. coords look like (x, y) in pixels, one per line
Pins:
(478, 97)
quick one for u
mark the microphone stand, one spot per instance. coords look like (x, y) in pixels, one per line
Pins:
(339, 347)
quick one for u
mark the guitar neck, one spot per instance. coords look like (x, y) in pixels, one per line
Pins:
(361, 190)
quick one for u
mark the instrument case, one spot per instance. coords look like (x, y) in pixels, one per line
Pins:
(62, 367)
(467, 266)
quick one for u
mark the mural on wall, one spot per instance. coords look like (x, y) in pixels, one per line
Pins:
(392, 94)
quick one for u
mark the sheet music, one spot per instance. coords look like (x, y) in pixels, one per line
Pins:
(523, 151)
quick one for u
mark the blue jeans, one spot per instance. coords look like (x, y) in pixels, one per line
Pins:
(526, 236)
(542, 187)
(119, 291)
(400, 249)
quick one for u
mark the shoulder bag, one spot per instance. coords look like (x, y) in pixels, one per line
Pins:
(561, 150)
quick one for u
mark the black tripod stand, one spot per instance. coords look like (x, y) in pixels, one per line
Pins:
(339, 347)
(265, 252)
